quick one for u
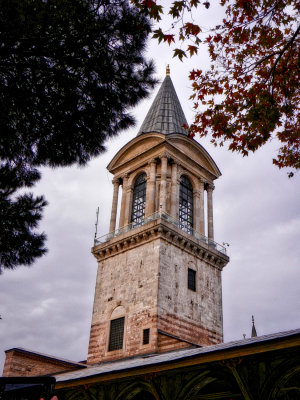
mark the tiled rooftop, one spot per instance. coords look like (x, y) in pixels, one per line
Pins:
(165, 115)
(173, 356)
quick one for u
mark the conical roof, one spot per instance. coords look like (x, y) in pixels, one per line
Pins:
(165, 115)
(253, 332)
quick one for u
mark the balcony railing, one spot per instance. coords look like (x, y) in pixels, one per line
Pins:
(166, 217)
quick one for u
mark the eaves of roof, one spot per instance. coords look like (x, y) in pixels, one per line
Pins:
(179, 358)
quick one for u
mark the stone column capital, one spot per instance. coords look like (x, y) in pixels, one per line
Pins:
(116, 181)
(124, 179)
(210, 187)
(152, 161)
(200, 185)
(164, 155)
(174, 167)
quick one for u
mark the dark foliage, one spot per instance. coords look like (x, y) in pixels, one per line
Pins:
(250, 94)
(70, 70)
(19, 243)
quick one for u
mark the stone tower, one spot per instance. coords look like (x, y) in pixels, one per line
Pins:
(158, 286)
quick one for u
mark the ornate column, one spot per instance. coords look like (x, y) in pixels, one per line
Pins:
(127, 215)
(210, 222)
(163, 183)
(174, 190)
(150, 190)
(196, 209)
(123, 201)
(201, 211)
(114, 206)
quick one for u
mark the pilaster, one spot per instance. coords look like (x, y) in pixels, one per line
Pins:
(210, 222)
(112, 226)
(201, 209)
(174, 190)
(163, 182)
(129, 194)
(150, 191)
(123, 201)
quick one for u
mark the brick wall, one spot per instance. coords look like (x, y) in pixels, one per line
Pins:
(19, 362)
(167, 343)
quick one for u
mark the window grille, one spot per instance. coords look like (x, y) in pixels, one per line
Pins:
(146, 336)
(192, 279)
(186, 205)
(139, 201)
(116, 334)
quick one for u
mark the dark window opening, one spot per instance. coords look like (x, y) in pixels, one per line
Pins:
(116, 334)
(139, 201)
(192, 279)
(146, 336)
(186, 205)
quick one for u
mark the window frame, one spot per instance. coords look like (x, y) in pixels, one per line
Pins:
(192, 280)
(146, 336)
(138, 206)
(186, 205)
(116, 343)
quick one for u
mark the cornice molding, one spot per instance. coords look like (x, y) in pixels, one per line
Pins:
(160, 229)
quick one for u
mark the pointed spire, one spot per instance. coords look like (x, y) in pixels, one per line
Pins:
(165, 114)
(253, 333)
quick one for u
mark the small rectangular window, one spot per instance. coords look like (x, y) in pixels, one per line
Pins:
(192, 279)
(116, 334)
(146, 336)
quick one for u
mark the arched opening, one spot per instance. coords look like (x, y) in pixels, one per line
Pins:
(186, 204)
(116, 330)
(144, 396)
(139, 201)
(138, 390)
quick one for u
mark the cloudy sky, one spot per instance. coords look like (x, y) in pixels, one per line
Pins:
(47, 307)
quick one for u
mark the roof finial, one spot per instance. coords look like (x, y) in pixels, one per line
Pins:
(253, 333)
(168, 70)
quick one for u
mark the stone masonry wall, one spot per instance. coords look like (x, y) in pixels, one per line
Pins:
(22, 364)
(128, 279)
(194, 316)
(167, 343)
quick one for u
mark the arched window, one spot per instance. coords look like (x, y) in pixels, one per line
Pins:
(116, 332)
(139, 201)
(186, 205)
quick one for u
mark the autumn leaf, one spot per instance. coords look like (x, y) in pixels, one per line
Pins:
(169, 38)
(158, 34)
(251, 89)
(179, 53)
(192, 50)
(192, 29)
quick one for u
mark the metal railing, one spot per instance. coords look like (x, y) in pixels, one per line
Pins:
(166, 217)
